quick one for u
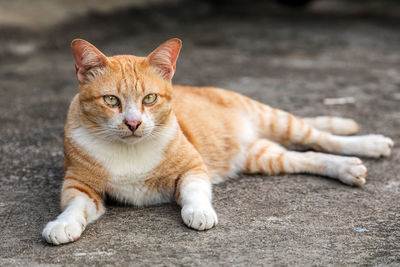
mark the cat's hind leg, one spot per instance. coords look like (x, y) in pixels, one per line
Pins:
(333, 125)
(264, 156)
(286, 129)
(81, 205)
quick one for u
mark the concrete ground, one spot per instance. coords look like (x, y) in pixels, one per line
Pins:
(288, 59)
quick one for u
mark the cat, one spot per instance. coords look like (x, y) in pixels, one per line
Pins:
(132, 135)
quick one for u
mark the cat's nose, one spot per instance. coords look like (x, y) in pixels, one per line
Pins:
(133, 125)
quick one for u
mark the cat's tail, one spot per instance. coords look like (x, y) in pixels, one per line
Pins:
(334, 125)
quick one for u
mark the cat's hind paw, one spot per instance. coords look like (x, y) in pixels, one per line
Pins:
(372, 145)
(199, 217)
(380, 146)
(63, 231)
(352, 171)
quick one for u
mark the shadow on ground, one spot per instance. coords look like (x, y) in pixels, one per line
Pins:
(287, 59)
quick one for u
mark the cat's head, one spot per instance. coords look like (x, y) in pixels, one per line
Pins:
(125, 98)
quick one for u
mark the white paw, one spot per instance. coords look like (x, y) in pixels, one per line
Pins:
(352, 171)
(199, 216)
(344, 126)
(379, 145)
(373, 145)
(63, 231)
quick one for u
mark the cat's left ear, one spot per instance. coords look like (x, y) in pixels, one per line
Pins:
(164, 57)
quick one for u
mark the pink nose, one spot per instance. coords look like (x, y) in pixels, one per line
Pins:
(133, 125)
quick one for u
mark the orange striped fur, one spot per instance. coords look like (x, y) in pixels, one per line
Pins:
(174, 148)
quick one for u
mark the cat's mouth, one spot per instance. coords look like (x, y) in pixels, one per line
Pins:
(131, 136)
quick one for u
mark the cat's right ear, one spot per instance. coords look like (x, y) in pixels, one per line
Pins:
(89, 61)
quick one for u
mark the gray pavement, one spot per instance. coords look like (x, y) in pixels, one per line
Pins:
(288, 59)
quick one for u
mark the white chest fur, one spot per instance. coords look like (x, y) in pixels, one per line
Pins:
(128, 165)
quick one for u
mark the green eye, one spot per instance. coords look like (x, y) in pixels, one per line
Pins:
(111, 100)
(149, 99)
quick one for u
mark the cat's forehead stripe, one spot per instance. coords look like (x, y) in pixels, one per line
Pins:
(118, 86)
(123, 76)
(134, 74)
(141, 86)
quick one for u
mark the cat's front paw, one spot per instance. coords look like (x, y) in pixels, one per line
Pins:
(199, 216)
(63, 231)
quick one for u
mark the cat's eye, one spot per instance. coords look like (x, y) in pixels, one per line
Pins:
(111, 100)
(149, 99)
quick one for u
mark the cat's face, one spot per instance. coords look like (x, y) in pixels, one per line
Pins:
(125, 98)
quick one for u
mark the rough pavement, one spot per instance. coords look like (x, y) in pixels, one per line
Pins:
(287, 59)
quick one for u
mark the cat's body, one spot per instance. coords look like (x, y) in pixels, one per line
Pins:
(172, 149)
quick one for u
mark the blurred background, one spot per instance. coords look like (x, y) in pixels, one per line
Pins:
(316, 57)
(28, 25)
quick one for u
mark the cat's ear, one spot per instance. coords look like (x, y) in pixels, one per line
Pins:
(164, 57)
(89, 61)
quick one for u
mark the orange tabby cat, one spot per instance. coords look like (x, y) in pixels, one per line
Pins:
(133, 135)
